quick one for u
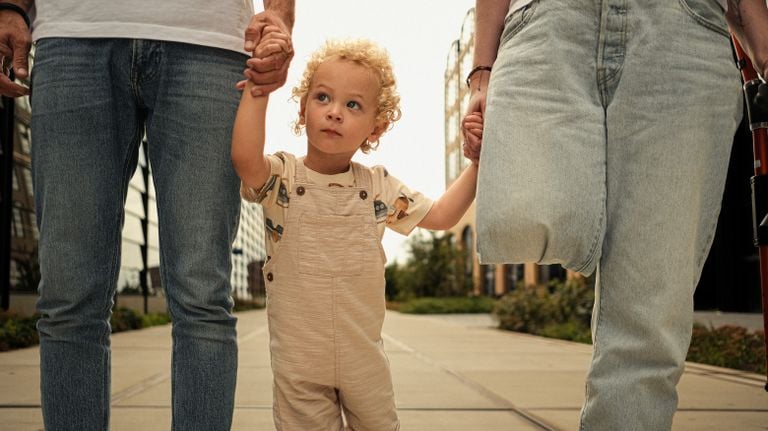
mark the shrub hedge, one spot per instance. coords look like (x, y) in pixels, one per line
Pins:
(474, 304)
(563, 310)
(18, 332)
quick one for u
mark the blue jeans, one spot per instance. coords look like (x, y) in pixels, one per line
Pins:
(92, 101)
(608, 132)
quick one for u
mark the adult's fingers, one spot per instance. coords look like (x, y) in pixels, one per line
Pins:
(277, 61)
(254, 31)
(21, 44)
(264, 78)
(269, 47)
(9, 88)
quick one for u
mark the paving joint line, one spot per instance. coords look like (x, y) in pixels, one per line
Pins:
(482, 390)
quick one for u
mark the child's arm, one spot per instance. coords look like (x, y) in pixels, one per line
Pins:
(448, 210)
(248, 132)
(248, 140)
(452, 205)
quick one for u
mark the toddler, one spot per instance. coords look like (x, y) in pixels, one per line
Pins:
(325, 216)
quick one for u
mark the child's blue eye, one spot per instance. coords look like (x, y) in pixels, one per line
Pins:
(353, 105)
(322, 97)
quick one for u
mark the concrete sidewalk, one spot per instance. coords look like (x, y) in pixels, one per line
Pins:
(450, 374)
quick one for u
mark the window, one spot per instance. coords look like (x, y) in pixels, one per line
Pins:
(17, 225)
(25, 143)
(27, 180)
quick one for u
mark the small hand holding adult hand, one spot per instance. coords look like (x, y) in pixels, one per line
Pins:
(270, 41)
(472, 131)
(15, 41)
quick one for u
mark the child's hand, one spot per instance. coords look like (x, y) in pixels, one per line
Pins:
(472, 130)
(269, 62)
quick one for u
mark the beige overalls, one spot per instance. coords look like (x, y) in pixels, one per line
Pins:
(325, 304)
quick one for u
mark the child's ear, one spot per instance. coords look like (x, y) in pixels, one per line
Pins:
(303, 111)
(378, 130)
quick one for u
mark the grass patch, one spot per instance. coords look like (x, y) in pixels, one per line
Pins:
(474, 304)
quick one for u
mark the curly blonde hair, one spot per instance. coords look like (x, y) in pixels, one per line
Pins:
(364, 53)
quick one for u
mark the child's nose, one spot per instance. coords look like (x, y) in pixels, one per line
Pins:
(333, 114)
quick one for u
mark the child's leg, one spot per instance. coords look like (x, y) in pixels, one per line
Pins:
(304, 406)
(369, 402)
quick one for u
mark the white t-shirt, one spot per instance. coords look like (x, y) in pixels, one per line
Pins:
(219, 24)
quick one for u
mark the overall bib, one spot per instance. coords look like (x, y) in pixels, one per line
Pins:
(325, 296)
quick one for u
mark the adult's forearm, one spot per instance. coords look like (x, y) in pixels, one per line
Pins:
(489, 23)
(285, 9)
(748, 20)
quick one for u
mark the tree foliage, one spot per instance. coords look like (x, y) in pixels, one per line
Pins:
(434, 268)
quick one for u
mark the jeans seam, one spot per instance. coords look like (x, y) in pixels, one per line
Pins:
(595, 346)
(596, 239)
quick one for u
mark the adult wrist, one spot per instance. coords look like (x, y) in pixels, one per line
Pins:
(478, 71)
(18, 10)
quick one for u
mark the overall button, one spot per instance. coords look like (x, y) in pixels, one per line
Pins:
(300, 190)
(363, 194)
(270, 277)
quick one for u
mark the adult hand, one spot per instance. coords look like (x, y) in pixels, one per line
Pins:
(748, 20)
(268, 68)
(15, 41)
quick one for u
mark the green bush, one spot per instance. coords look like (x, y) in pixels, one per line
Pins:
(17, 332)
(475, 304)
(728, 346)
(435, 268)
(154, 319)
(560, 310)
(570, 331)
(125, 319)
(249, 304)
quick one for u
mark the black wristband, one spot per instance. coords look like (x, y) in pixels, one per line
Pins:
(18, 10)
(476, 69)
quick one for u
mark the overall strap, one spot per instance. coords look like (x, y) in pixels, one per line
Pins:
(363, 177)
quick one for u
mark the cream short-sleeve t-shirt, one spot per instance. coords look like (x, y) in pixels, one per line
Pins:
(394, 205)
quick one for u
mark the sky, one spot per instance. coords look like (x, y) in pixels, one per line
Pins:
(418, 36)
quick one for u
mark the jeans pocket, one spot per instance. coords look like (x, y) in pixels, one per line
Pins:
(707, 13)
(517, 20)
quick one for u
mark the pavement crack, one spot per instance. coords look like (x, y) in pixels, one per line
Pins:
(142, 386)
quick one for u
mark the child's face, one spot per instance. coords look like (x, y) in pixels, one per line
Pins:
(340, 108)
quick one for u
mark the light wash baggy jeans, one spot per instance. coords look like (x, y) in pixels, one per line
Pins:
(607, 137)
(92, 100)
